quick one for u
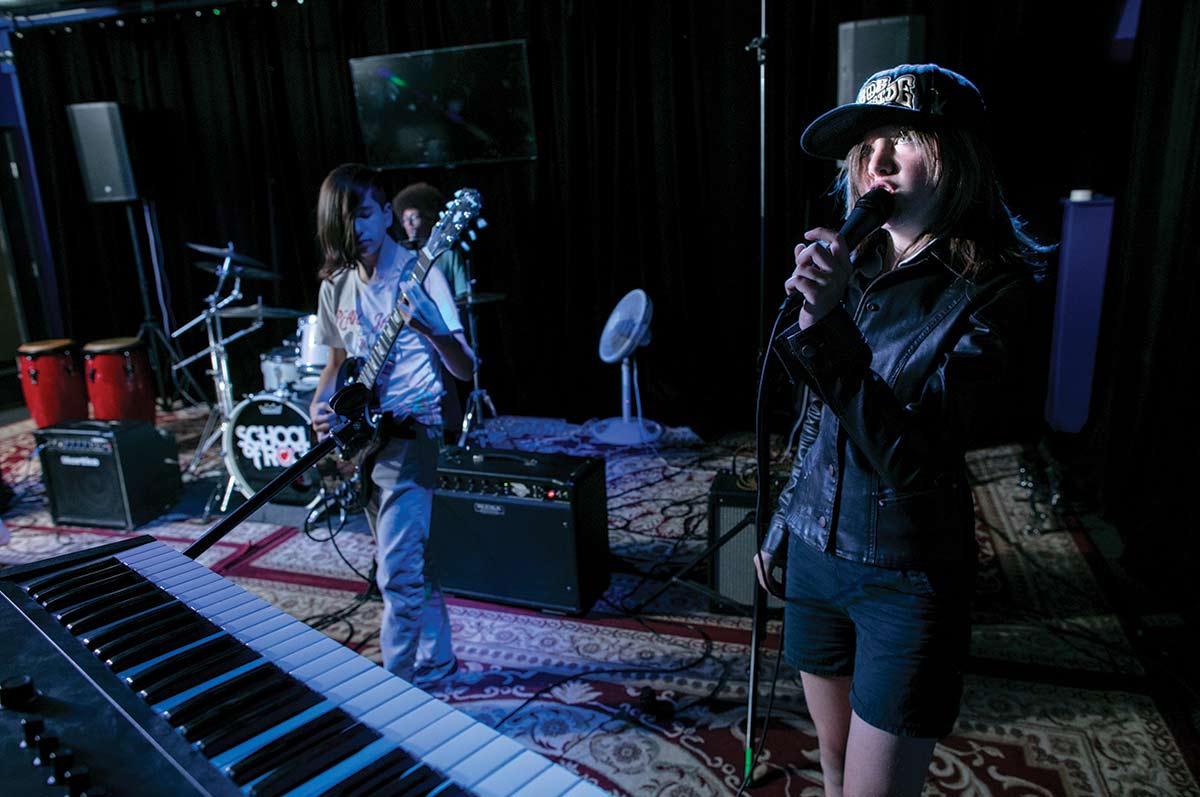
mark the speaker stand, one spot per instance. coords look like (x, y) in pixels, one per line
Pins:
(159, 347)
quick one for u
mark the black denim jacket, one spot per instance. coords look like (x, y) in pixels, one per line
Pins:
(905, 375)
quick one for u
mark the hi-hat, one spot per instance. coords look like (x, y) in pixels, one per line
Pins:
(476, 299)
(222, 252)
(246, 272)
(259, 311)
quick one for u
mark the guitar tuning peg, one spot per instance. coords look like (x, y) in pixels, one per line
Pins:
(481, 222)
(471, 234)
(466, 246)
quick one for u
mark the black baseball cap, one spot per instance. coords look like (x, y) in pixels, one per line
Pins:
(923, 96)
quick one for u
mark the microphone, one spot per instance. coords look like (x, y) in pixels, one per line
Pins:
(870, 212)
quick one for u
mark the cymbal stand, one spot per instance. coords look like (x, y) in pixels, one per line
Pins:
(479, 398)
(214, 428)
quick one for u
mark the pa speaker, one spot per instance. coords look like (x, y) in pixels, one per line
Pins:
(114, 474)
(521, 527)
(103, 156)
(867, 46)
(732, 565)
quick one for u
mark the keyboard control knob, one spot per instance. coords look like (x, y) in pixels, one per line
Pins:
(18, 693)
(33, 729)
(46, 745)
(60, 761)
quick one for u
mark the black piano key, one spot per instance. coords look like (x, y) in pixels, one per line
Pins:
(159, 646)
(226, 691)
(131, 602)
(197, 673)
(133, 624)
(246, 709)
(388, 767)
(454, 790)
(316, 732)
(63, 599)
(150, 630)
(74, 575)
(257, 723)
(294, 773)
(176, 659)
(48, 589)
(415, 783)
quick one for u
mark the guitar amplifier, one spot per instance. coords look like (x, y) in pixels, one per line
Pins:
(732, 567)
(521, 527)
(113, 474)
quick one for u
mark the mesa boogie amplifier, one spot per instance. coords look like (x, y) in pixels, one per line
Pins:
(521, 527)
(114, 474)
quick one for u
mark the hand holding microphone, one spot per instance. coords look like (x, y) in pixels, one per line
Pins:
(821, 274)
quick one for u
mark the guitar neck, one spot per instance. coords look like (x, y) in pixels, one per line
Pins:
(391, 329)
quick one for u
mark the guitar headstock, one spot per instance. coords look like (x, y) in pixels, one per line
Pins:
(459, 220)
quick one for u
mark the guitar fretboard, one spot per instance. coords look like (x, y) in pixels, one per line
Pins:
(391, 329)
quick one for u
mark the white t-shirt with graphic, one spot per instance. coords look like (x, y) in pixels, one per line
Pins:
(351, 313)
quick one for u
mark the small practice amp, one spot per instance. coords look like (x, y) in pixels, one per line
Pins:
(114, 474)
(521, 527)
(732, 567)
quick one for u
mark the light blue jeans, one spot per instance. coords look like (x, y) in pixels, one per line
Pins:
(415, 630)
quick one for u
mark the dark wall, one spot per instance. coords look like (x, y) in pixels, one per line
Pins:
(647, 119)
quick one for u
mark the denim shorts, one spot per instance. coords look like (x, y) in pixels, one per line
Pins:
(902, 635)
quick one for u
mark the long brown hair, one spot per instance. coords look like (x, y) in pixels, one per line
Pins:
(342, 192)
(970, 211)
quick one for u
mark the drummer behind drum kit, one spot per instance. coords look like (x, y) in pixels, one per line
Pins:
(267, 432)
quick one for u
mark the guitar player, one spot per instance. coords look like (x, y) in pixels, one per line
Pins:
(361, 286)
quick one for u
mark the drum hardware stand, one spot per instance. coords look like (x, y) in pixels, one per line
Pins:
(218, 418)
(479, 398)
(159, 347)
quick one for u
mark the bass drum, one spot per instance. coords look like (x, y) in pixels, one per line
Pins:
(265, 436)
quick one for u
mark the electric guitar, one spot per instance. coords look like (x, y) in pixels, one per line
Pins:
(357, 379)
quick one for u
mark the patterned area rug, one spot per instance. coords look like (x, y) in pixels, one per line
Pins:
(1057, 701)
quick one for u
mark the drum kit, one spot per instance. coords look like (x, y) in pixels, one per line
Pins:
(265, 433)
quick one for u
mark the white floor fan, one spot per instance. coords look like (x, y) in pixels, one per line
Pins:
(627, 328)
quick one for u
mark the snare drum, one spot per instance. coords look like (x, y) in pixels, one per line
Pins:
(312, 357)
(52, 381)
(280, 369)
(118, 380)
(265, 436)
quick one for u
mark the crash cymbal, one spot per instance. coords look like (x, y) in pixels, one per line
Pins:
(259, 311)
(236, 257)
(479, 298)
(245, 272)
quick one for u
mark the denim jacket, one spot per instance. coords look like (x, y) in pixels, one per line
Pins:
(913, 366)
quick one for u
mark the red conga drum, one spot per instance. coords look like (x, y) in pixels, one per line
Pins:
(52, 381)
(119, 383)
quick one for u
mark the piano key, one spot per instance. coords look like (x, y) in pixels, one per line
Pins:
(75, 575)
(232, 688)
(388, 767)
(197, 673)
(155, 648)
(75, 593)
(233, 743)
(122, 606)
(132, 624)
(512, 776)
(552, 782)
(467, 743)
(484, 761)
(295, 742)
(321, 756)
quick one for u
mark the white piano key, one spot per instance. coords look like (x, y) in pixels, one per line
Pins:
(469, 741)
(512, 776)
(378, 694)
(437, 733)
(485, 761)
(585, 789)
(254, 615)
(552, 782)
(315, 649)
(236, 604)
(260, 642)
(313, 670)
(324, 681)
(383, 717)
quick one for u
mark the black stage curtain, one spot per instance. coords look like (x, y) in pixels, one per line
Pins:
(647, 176)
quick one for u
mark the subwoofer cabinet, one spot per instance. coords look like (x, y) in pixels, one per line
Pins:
(114, 474)
(521, 527)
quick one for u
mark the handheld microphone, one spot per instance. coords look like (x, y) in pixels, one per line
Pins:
(870, 212)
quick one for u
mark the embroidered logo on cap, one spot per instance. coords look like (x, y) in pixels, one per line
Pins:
(900, 90)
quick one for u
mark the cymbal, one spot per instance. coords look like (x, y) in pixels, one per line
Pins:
(479, 298)
(236, 257)
(259, 311)
(247, 272)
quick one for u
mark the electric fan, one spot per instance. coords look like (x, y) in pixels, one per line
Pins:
(627, 328)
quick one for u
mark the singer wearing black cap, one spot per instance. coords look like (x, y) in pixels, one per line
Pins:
(908, 344)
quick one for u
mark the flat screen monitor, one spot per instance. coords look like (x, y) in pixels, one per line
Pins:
(445, 107)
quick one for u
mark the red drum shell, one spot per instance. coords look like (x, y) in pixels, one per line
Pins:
(52, 381)
(119, 383)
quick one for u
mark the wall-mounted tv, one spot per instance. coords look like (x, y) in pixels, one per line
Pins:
(445, 107)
